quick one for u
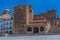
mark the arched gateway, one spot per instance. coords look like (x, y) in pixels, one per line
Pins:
(35, 30)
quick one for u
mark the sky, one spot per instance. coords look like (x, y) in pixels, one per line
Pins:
(39, 6)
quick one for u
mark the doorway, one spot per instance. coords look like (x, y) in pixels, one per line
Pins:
(35, 30)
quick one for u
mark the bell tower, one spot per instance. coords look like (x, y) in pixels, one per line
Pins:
(22, 15)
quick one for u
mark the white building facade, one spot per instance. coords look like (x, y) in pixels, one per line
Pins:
(6, 22)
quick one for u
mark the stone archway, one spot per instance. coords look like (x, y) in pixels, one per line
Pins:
(35, 30)
(41, 28)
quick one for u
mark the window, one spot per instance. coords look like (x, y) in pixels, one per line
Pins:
(29, 29)
(10, 27)
(1, 28)
(30, 10)
(4, 24)
(10, 23)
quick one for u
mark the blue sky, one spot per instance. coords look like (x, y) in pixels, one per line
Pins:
(39, 6)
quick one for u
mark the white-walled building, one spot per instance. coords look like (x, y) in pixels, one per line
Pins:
(6, 22)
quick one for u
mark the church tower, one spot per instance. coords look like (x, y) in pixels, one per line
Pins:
(22, 15)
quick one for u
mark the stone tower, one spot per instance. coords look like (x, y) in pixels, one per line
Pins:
(22, 15)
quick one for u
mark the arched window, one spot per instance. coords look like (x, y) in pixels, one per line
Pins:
(41, 28)
(30, 10)
(36, 30)
(29, 29)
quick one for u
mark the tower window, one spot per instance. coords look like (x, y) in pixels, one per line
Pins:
(10, 27)
(30, 10)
